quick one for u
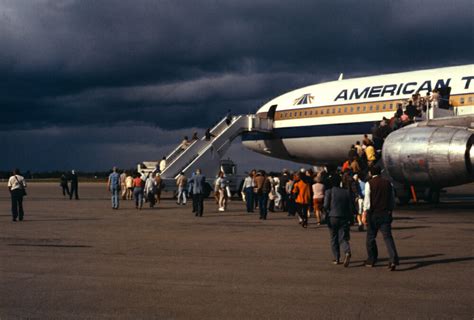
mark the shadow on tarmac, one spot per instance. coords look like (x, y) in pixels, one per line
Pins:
(47, 245)
(64, 219)
(421, 264)
(417, 263)
(410, 228)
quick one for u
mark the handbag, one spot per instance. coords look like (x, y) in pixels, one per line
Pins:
(22, 188)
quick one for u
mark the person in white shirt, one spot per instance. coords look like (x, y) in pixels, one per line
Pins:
(17, 187)
(181, 183)
(129, 186)
(222, 182)
(247, 188)
(150, 189)
(123, 185)
(163, 164)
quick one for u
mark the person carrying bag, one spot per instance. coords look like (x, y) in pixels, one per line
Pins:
(17, 187)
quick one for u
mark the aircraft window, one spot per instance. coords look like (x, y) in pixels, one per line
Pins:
(461, 100)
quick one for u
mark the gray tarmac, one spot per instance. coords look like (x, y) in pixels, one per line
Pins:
(83, 260)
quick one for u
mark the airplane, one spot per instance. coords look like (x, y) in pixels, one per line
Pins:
(317, 125)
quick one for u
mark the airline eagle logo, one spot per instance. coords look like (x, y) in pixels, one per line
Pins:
(307, 98)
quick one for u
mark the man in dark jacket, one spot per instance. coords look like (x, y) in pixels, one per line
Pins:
(411, 110)
(74, 185)
(64, 185)
(340, 205)
(379, 202)
(198, 182)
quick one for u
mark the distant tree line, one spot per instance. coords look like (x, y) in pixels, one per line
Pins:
(99, 175)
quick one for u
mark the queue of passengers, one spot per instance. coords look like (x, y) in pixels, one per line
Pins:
(136, 186)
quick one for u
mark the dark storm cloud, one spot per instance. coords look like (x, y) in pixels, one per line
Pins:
(181, 64)
(71, 62)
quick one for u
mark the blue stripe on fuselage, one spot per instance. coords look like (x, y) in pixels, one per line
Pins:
(325, 130)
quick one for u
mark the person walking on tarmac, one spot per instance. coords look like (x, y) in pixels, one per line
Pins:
(113, 185)
(181, 183)
(223, 183)
(302, 193)
(138, 186)
(262, 186)
(248, 187)
(197, 183)
(17, 187)
(74, 185)
(63, 185)
(339, 204)
(379, 202)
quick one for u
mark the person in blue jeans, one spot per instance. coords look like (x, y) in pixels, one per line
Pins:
(340, 207)
(247, 188)
(138, 186)
(113, 185)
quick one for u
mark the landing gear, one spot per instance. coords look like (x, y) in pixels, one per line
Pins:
(403, 194)
(432, 195)
(403, 200)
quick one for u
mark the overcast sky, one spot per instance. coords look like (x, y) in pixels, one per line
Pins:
(90, 84)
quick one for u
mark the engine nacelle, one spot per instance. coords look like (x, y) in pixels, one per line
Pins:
(437, 157)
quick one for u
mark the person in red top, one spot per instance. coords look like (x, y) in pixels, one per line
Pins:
(302, 195)
(138, 185)
(346, 166)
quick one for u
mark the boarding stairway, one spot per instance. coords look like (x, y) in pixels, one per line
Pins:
(206, 154)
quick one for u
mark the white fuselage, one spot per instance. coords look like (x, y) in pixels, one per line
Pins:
(318, 124)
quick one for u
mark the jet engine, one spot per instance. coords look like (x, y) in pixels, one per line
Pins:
(437, 157)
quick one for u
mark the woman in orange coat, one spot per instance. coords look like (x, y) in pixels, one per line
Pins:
(302, 194)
